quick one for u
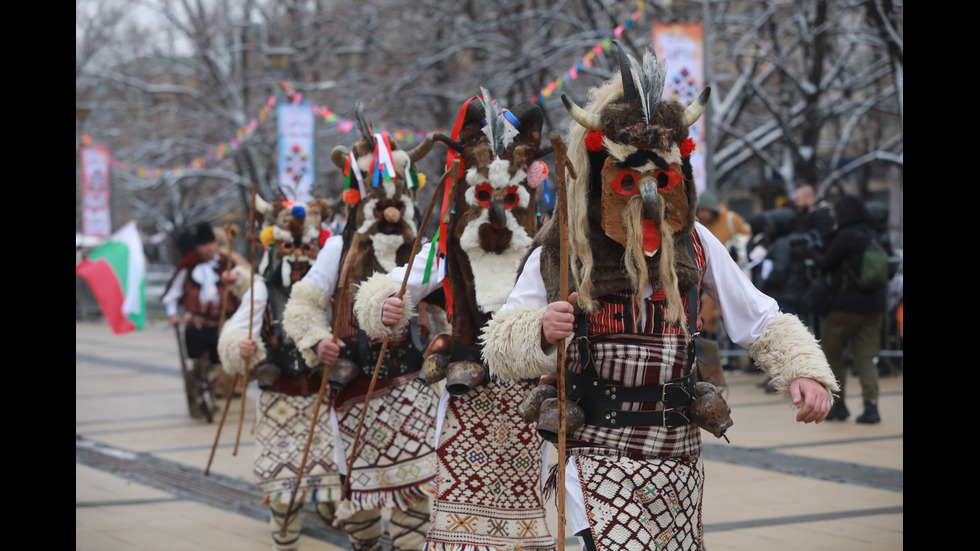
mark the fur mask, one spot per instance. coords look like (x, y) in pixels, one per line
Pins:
(293, 238)
(631, 152)
(385, 214)
(494, 207)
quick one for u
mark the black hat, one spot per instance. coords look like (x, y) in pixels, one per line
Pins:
(204, 234)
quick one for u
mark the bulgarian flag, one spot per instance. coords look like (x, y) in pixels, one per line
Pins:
(116, 274)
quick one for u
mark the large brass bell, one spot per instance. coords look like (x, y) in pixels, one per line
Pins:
(433, 368)
(266, 375)
(710, 411)
(548, 419)
(342, 372)
(440, 344)
(530, 408)
(464, 376)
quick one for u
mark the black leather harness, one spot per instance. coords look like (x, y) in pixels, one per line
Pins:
(602, 399)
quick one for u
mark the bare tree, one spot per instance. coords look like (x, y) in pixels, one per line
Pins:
(806, 90)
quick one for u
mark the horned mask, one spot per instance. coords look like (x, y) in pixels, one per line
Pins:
(293, 237)
(379, 186)
(634, 149)
(496, 215)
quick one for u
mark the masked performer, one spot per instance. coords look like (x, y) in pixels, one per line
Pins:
(197, 286)
(394, 467)
(490, 460)
(637, 259)
(253, 338)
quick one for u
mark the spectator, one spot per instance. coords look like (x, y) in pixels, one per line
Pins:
(782, 274)
(727, 225)
(855, 316)
(197, 286)
(813, 217)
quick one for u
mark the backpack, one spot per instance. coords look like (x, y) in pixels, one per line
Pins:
(874, 267)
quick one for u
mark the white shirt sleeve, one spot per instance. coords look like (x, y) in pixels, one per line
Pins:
(414, 286)
(173, 294)
(529, 288)
(240, 318)
(746, 310)
(325, 273)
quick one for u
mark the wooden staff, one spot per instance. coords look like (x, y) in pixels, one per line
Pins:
(561, 206)
(251, 238)
(340, 307)
(453, 170)
(230, 231)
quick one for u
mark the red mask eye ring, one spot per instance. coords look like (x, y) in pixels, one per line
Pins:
(511, 197)
(625, 182)
(483, 193)
(671, 176)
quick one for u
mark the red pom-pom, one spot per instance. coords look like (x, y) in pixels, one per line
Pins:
(352, 197)
(593, 142)
(687, 147)
(325, 234)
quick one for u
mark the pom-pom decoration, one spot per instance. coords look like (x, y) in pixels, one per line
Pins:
(298, 211)
(267, 236)
(352, 197)
(325, 234)
(537, 174)
(687, 147)
(421, 180)
(593, 141)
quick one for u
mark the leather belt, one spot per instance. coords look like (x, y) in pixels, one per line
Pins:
(602, 399)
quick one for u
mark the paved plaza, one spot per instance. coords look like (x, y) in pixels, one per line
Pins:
(140, 461)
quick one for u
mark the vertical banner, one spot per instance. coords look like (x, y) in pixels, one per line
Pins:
(95, 191)
(296, 151)
(682, 45)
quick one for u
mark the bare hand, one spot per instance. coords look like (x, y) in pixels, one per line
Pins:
(228, 276)
(559, 320)
(247, 348)
(327, 350)
(815, 398)
(392, 311)
(174, 320)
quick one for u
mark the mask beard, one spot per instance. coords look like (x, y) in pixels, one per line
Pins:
(635, 261)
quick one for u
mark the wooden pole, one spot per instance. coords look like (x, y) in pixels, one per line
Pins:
(341, 306)
(251, 238)
(561, 207)
(224, 414)
(230, 231)
(452, 172)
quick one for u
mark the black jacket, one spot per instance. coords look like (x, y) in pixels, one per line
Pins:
(842, 257)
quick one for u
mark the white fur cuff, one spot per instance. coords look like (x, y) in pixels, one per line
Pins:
(231, 356)
(305, 319)
(512, 344)
(788, 350)
(369, 301)
(240, 286)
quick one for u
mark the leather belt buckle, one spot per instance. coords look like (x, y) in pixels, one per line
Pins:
(679, 411)
(673, 384)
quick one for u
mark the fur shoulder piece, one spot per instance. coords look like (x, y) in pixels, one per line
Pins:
(512, 344)
(788, 350)
(369, 301)
(304, 319)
